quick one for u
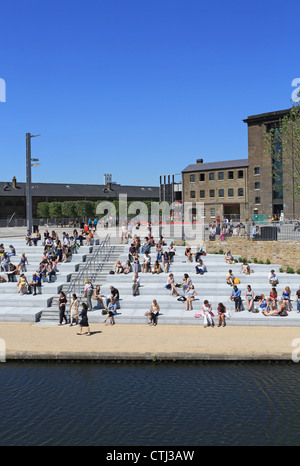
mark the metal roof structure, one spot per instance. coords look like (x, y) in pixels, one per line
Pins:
(226, 164)
(80, 191)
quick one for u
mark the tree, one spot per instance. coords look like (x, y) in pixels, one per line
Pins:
(68, 209)
(85, 209)
(55, 209)
(43, 209)
(283, 144)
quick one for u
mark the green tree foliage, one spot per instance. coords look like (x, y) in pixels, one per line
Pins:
(55, 209)
(43, 209)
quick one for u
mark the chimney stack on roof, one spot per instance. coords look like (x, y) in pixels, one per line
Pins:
(199, 161)
(14, 182)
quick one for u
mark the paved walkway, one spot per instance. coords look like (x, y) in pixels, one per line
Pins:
(144, 342)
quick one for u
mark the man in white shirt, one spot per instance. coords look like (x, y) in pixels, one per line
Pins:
(273, 280)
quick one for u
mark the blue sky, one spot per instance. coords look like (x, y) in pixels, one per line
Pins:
(138, 88)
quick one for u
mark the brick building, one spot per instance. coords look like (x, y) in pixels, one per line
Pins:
(269, 183)
(256, 187)
(221, 186)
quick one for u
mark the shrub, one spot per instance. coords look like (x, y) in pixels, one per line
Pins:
(281, 270)
(260, 262)
(290, 270)
(255, 260)
(268, 261)
(298, 271)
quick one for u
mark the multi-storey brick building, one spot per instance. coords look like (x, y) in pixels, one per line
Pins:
(221, 186)
(255, 187)
(270, 187)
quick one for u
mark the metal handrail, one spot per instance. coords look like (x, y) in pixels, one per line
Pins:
(92, 267)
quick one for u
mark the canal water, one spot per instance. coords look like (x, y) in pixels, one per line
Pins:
(145, 404)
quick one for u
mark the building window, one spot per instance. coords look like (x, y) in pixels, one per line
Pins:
(241, 174)
(230, 192)
(212, 212)
(192, 194)
(221, 176)
(257, 200)
(230, 175)
(211, 176)
(257, 185)
(202, 194)
(241, 192)
(192, 178)
(203, 212)
(211, 193)
(256, 170)
(202, 177)
(221, 192)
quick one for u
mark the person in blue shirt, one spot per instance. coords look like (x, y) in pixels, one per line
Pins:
(35, 282)
(236, 297)
(111, 311)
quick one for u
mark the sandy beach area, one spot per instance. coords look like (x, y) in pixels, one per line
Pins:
(143, 342)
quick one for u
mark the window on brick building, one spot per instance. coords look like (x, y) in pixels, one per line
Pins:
(211, 193)
(257, 200)
(221, 192)
(257, 185)
(221, 176)
(230, 192)
(202, 194)
(241, 192)
(256, 170)
(230, 175)
(202, 177)
(192, 178)
(192, 194)
(211, 176)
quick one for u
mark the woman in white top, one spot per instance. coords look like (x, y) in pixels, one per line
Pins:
(206, 310)
(249, 295)
(74, 309)
(154, 311)
(171, 285)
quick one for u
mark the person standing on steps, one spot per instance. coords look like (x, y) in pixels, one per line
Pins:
(88, 291)
(84, 319)
(62, 307)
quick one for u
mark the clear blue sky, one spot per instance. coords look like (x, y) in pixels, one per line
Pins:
(139, 88)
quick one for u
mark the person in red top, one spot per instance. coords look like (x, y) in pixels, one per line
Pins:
(272, 299)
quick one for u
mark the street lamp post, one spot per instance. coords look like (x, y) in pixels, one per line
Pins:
(28, 180)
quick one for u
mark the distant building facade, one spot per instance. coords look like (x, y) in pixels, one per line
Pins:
(221, 186)
(257, 187)
(13, 195)
(269, 184)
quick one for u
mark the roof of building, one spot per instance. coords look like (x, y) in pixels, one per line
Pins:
(81, 191)
(267, 117)
(223, 165)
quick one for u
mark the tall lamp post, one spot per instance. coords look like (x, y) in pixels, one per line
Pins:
(29, 164)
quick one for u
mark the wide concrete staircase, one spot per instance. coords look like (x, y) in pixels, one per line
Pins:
(211, 286)
(28, 308)
(50, 315)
